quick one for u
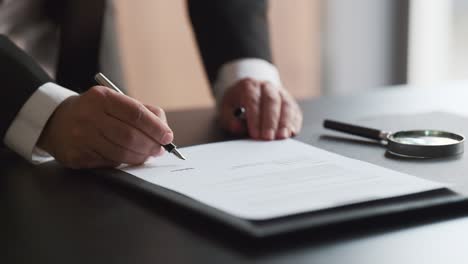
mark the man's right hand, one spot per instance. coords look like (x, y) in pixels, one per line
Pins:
(102, 128)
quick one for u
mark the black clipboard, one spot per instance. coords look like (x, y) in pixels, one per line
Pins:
(436, 201)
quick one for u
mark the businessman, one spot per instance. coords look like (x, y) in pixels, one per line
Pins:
(51, 49)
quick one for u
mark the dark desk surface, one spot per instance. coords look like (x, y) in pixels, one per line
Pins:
(54, 215)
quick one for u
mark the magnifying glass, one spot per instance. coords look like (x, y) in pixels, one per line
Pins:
(411, 143)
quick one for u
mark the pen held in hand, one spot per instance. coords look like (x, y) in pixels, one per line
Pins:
(104, 81)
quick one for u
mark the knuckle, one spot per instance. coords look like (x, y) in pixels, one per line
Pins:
(286, 95)
(98, 91)
(270, 97)
(248, 86)
(247, 82)
(252, 100)
(286, 104)
(92, 100)
(158, 111)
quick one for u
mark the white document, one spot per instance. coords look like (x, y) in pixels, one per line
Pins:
(259, 180)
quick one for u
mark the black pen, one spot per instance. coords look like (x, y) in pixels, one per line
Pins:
(104, 81)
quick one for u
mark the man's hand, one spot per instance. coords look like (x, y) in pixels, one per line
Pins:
(271, 112)
(102, 128)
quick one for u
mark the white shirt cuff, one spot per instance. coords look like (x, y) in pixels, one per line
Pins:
(24, 131)
(236, 70)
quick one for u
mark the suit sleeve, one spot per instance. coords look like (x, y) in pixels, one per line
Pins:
(229, 30)
(20, 77)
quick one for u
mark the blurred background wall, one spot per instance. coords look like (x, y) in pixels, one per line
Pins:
(364, 44)
(320, 46)
(161, 64)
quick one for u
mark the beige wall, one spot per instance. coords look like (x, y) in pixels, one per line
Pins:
(295, 29)
(162, 65)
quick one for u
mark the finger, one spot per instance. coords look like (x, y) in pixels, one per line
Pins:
(158, 150)
(122, 134)
(230, 102)
(250, 100)
(285, 124)
(291, 117)
(287, 116)
(297, 124)
(270, 110)
(232, 123)
(98, 161)
(158, 111)
(137, 115)
(113, 152)
(294, 115)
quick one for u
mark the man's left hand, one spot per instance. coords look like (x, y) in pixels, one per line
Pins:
(271, 112)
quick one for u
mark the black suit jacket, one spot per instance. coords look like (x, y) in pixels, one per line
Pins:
(225, 30)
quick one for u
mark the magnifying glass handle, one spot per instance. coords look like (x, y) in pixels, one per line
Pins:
(355, 130)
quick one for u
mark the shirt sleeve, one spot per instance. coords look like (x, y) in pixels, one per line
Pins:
(24, 131)
(236, 70)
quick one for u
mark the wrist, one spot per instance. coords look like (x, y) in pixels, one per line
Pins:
(232, 73)
(51, 129)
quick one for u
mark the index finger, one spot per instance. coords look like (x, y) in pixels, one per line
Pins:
(137, 115)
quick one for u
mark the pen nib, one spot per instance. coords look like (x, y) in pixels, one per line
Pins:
(178, 154)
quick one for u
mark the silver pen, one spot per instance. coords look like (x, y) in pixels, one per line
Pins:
(104, 81)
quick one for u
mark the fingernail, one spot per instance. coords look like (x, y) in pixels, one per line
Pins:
(269, 134)
(283, 132)
(167, 138)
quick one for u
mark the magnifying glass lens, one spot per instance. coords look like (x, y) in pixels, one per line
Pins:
(426, 140)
